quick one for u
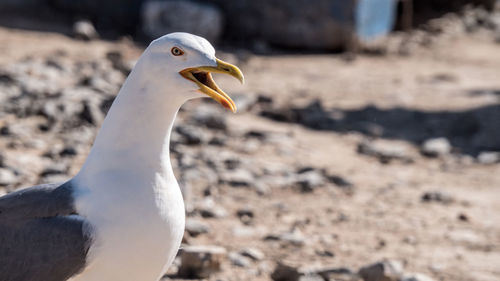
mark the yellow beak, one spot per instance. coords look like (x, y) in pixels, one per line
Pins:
(202, 77)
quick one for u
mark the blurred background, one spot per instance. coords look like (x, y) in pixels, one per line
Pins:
(366, 145)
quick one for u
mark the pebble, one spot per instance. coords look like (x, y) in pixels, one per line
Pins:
(244, 231)
(437, 196)
(261, 188)
(385, 152)
(253, 253)
(436, 147)
(295, 238)
(465, 236)
(196, 227)
(237, 178)
(488, 157)
(197, 174)
(84, 30)
(191, 135)
(385, 270)
(201, 261)
(68, 151)
(340, 181)
(325, 253)
(54, 178)
(7, 177)
(288, 271)
(309, 180)
(245, 212)
(55, 169)
(239, 260)
(208, 209)
(417, 277)
(463, 217)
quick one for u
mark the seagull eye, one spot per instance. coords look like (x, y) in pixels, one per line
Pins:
(177, 52)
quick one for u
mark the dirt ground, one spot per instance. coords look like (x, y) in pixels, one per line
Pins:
(382, 215)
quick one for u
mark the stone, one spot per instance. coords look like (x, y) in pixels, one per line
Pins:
(417, 277)
(245, 212)
(208, 209)
(385, 270)
(162, 17)
(385, 152)
(340, 181)
(197, 174)
(239, 260)
(84, 30)
(237, 178)
(465, 236)
(92, 112)
(7, 177)
(295, 238)
(307, 181)
(463, 217)
(287, 271)
(191, 135)
(6, 78)
(436, 147)
(201, 261)
(68, 151)
(488, 157)
(217, 140)
(53, 178)
(437, 196)
(325, 253)
(257, 134)
(54, 169)
(244, 231)
(253, 253)
(232, 163)
(262, 188)
(196, 227)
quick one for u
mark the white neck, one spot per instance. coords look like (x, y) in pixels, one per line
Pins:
(135, 135)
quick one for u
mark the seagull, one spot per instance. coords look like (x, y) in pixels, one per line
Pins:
(121, 217)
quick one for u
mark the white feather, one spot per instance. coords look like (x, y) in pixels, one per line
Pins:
(126, 188)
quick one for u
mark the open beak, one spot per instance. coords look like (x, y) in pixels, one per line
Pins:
(202, 76)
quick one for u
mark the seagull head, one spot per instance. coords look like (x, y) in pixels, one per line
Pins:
(185, 63)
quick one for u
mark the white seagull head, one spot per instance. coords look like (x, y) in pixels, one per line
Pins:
(184, 62)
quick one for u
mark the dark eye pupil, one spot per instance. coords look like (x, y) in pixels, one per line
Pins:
(176, 51)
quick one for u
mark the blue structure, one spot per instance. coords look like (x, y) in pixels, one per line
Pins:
(374, 18)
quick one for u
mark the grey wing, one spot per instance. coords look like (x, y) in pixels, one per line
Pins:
(41, 236)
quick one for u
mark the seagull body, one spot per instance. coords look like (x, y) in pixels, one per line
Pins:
(122, 216)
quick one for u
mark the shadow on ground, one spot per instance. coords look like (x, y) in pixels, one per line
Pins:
(469, 132)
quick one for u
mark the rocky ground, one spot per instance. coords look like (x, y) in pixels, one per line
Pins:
(335, 167)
